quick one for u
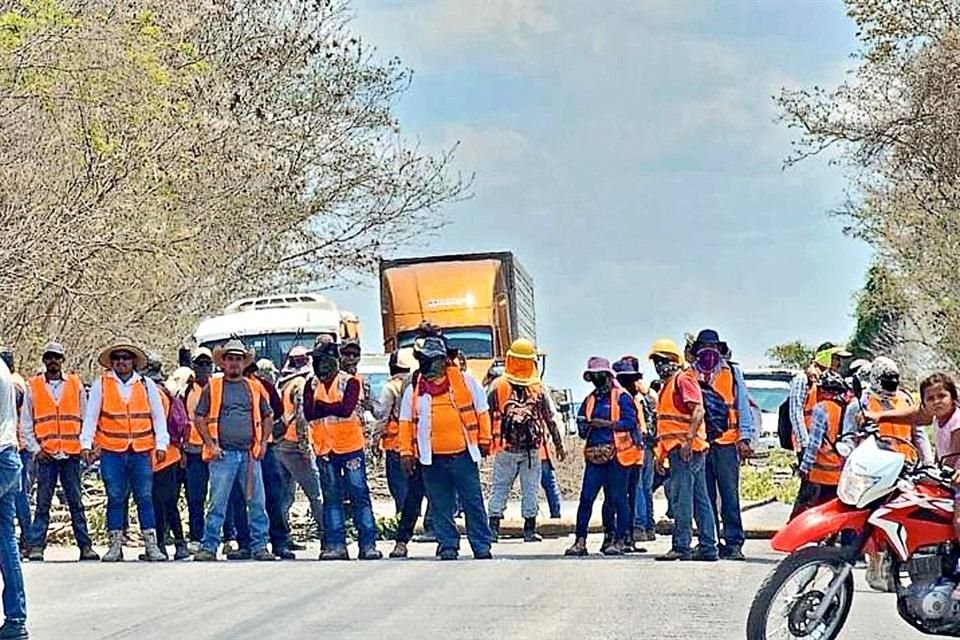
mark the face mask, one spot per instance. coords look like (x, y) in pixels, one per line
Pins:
(434, 368)
(708, 360)
(323, 367)
(889, 384)
(598, 380)
(666, 368)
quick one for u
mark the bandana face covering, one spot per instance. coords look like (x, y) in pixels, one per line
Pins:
(708, 360)
(665, 368)
(323, 367)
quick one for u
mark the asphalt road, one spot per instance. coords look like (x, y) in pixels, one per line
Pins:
(527, 591)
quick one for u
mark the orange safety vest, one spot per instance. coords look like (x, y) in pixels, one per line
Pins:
(190, 400)
(333, 434)
(57, 426)
(628, 454)
(216, 404)
(125, 425)
(173, 451)
(472, 421)
(390, 440)
(897, 433)
(673, 421)
(725, 385)
(289, 409)
(828, 464)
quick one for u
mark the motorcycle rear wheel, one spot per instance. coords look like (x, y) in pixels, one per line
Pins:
(790, 618)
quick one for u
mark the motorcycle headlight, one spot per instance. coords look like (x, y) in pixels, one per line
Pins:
(854, 486)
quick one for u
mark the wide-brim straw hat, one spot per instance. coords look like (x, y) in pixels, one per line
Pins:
(123, 344)
(236, 347)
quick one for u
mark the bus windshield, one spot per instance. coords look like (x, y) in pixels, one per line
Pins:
(474, 342)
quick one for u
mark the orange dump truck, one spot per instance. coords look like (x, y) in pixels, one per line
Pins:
(482, 301)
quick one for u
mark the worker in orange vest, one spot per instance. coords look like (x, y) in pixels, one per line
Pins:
(197, 473)
(445, 428)
(894, 412)
(607, 422)
(50, 421)
(234, 419)
(821, 464)
(386, 434)
(168, 476)
(522, 416)
(331, 404)
(682, 441)
(125, 426)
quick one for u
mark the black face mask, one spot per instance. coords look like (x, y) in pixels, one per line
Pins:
(323, 367)
(889, 384)
(665, 369)
(598, 380)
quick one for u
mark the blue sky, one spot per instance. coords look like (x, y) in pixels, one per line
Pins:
(628, 153)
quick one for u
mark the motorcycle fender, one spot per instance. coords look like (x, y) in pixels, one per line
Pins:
(817, 524)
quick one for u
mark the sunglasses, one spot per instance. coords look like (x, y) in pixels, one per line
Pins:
(231, 357)
(120, 357)
(52, 356)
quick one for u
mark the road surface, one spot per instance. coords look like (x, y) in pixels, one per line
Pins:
(528, 591)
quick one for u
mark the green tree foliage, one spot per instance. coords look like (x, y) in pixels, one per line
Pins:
(791, 355)
(158, 158)
(879, 315)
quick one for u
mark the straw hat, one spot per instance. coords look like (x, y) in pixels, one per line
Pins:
(234, 347)
(123, 344)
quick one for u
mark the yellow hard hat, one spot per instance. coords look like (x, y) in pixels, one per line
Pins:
(666, 347)
(523, 349)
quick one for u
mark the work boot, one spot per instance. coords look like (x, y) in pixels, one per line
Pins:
(204, 555)
(180, 551)
(607, 541)
(449, 554)
(578, 550)
(615, 548)
(335, 553)
(399, 550)
(674, 555)
(35, 554)
(731, 552)
(370, 553)
(87, 554)
(14, 631)
(651, 536)
(262, 555)
(115, 552)
(284, 553)
(495, 528)
(702, 555)
(153, 552)
(530, 530)
(240, 554)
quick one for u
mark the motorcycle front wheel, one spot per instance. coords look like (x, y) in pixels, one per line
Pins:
(785, 606)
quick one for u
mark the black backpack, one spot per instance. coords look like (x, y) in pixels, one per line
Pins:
(520, 427)
(785, 426)
(717, 413)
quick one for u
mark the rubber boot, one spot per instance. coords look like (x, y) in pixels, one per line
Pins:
(579, 548)
(495, 528)
(153, 552)
(530, 530)
(115, 552)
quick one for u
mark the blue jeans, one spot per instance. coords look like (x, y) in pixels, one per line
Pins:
(198, 480)
(396, 480)
(123, 472)
(236, 470)
(23, 495)
(68, 472)
(688, 486)
(14, 595)
(274, 487)
(644, 517)
(448, 477)
(723, 478)
(548, 480)
(347, 471)
(612, 478)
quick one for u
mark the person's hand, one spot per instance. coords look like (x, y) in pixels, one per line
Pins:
(485, 450)
(215, 451)
(744, 450)
(408, 464)
(686, 450)
(561, 453)
(161, 455)
(43, 456)
(183, 462)
(659, 467)
(87, 456)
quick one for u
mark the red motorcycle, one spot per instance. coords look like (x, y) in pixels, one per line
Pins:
(900, 518)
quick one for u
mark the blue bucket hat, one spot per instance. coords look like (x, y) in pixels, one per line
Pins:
(627, 366)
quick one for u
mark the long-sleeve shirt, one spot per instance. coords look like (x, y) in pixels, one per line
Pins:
(95, 403)
(799, 388)
(628, 419)
(313, 409)
(389, 405)
(55, 389)
(820, 424)
(747, 427)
